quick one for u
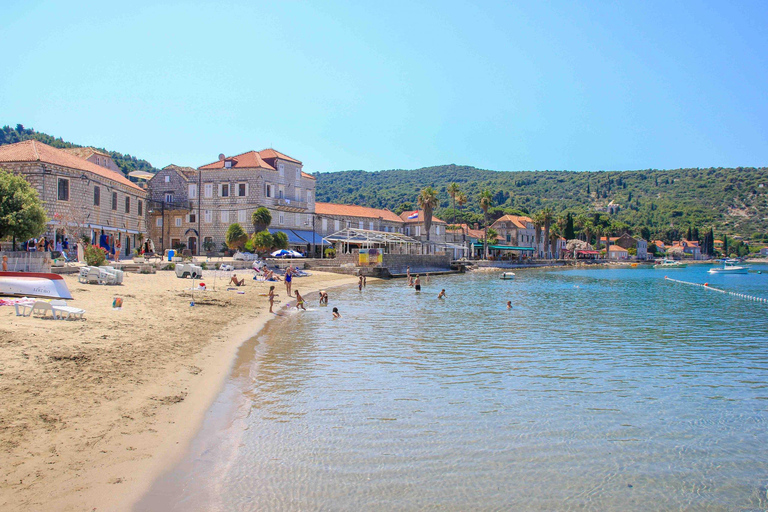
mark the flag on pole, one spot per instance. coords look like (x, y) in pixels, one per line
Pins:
(414, 215)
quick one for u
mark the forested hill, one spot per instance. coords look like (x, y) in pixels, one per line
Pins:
(733, 201)
(125, 162)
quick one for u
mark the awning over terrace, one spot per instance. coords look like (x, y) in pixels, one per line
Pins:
(369, 238)
(504, 247)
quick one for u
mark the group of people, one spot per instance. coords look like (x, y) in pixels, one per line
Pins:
(323, 295)
(44, 244)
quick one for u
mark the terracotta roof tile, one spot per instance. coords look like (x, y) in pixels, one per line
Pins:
(247, 160)
(85, 153)
(616, 248)
(269, 154)
(518, 220)
(352, 210)
(33, 150)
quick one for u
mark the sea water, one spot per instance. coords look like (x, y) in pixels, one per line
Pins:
(601, 389)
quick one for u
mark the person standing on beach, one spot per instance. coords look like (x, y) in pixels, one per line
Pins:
(5, 263)
(271, 297)
(417, 283)
(365, 281)
(299, 301)
(442, 294)
(288, 279)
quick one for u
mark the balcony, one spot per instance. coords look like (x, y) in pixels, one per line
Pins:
(290, 205)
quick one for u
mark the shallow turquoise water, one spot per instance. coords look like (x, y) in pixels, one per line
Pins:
(602, 389)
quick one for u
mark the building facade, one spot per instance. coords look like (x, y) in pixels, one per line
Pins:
(81, 198)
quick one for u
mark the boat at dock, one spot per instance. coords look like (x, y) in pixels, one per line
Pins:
(33, 284)
(665, 263)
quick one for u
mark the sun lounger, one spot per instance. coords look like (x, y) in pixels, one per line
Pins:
(83, 277)
(23, 308)
(119, 274)
(60, 307)
(99, 276)
(42, 308)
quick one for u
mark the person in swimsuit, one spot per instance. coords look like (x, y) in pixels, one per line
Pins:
(360, 283)
(336, 313)
(271, 297)
(299, 301)
(288, 279)
(509, 304)
(323, 298)
(5, 263)
(235, 281)
(442, 294)
(417, 283)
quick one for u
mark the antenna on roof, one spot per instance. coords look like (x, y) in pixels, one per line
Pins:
(221, 156)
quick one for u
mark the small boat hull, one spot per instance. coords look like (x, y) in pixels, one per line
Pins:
(729, 270)
(33, 284)
(507, 275)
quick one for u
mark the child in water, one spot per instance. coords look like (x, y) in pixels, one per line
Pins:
(336, 313)
(271, 298)
(442, 294)
(509, 304)
(299, 301)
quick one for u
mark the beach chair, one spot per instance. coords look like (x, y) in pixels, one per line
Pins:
(42, 308)
(99, 276)
(83, 277)
(60, 307)
(23, 308)
(119, 274)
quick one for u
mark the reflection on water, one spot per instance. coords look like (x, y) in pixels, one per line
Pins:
(601, 389)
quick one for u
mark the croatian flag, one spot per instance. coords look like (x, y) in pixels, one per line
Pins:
(414, 215)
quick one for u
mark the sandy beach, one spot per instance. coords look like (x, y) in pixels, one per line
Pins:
(94, 410)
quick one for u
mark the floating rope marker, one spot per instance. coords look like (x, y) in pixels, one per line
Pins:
(734, 294)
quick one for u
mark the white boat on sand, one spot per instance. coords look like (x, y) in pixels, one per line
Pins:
(33, 284)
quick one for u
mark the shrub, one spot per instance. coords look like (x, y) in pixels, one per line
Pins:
(330, 252)
(204, 266)
(236, 236)
(95, 256)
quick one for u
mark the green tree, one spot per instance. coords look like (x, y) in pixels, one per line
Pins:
(236, 236)
(22, 214)
(453, 191)
(279, 240)
(486, 201)
(547, 218)
(568, 232)
(262, 241)
(261, 219)
(428, 201)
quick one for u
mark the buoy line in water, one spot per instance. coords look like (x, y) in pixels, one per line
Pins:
(706, 285)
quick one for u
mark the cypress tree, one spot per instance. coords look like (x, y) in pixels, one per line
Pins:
(569, 233)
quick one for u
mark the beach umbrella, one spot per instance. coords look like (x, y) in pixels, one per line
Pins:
(294, 254)
(281, 252)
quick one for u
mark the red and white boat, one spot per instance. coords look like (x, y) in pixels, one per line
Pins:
(33, 284)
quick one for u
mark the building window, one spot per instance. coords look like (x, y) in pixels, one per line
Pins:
(208, 216)
(298, 174)
(225, 216)
(177, 221)
(509, 238)
(325, 225)
(281, 170)
(167, 179)
(114, 201)
(168, 197)
(268, 190)
(192, 191)
(280, 191)
(242, 189)
(208, 190)
(63, 189)
(337, 225)
(224, 190)
(228, 164)
(127, 204)
(159, 222)
(309, 196)
(96, 196)
(141, 208)
(349, 224)
(281, 218)
(192, 218)
(241, 215)
(370, 226)
(298, 194)
(361, 224)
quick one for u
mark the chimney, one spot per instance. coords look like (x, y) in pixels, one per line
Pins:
(221, 156)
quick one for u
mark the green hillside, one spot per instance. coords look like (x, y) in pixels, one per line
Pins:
(666, 202)
(125, 162)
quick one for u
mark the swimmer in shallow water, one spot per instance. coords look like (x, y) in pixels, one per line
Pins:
(336, 313)
(509, 304)
(442, 294)
(417, 283)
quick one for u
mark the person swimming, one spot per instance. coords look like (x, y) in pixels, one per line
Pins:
(509, 304)
(323, 297)
(336, 313)
(417, 283)
(442, 294)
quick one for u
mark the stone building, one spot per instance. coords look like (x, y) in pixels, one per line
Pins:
(331, 217)
(202, 203)
(413, 226)
(95, 156)
(81, 198)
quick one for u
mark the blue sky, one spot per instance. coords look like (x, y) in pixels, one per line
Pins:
(532, 85)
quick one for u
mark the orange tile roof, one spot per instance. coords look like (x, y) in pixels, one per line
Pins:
(36, 151)
(270, 153)
(616, 248)
(353, 210)
(247, 160)
(308, 176)
(470, 232)
(404, 218)
(85, 152)
(517, 220)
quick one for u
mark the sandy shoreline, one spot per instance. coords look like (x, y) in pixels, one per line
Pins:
(93, 411)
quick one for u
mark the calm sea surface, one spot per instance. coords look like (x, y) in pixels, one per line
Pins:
(602, 389)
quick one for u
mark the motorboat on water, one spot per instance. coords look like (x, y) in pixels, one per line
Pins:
(507, 275)
(33, 284)
(665, 263)
(730, 267)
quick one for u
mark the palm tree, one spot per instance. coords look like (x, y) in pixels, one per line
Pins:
(453, 191)
(461, 200)
(560, 224)
(537, 222)
(547, 217)
(428, 202)
(486, 201)
(581, 221)
(587, 228)
(599, 230)
(261, 219)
